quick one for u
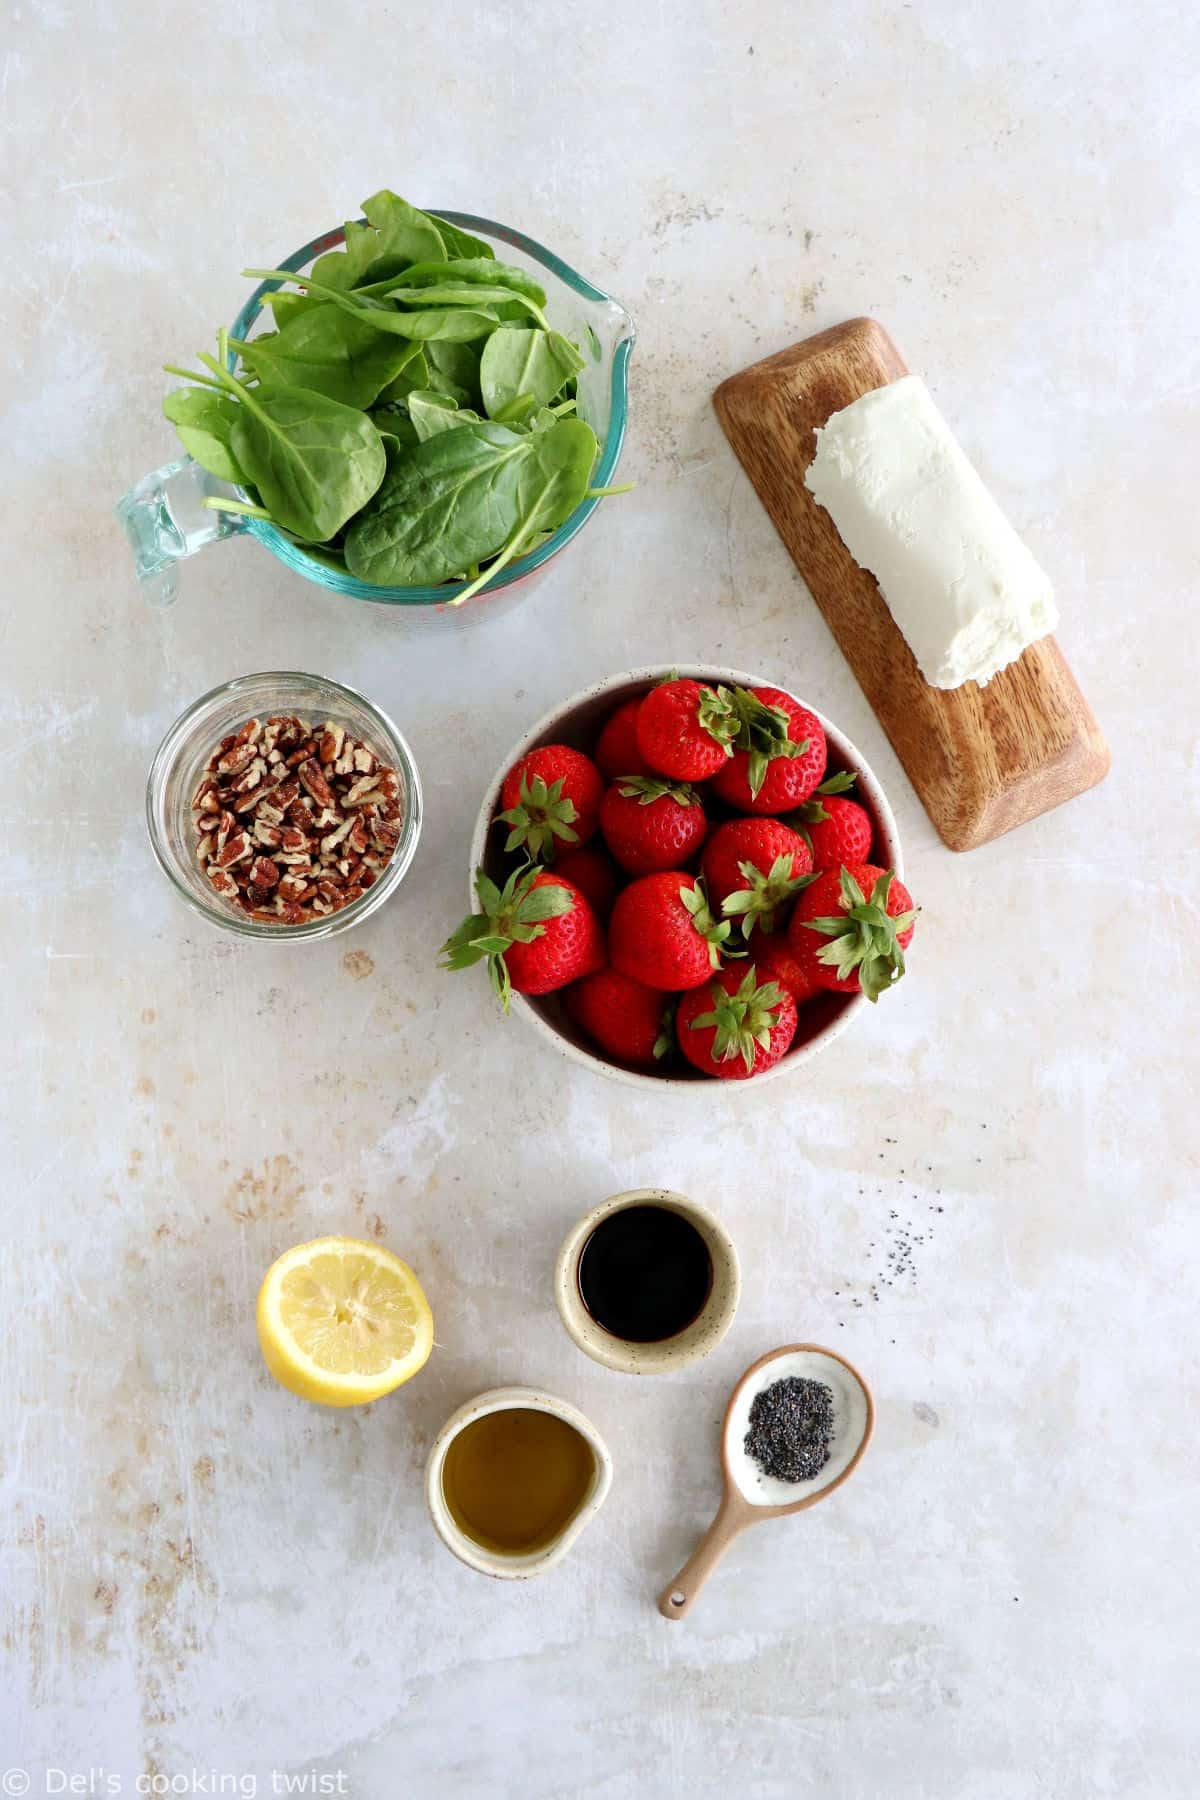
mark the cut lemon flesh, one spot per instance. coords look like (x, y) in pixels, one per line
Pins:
(342, 1322)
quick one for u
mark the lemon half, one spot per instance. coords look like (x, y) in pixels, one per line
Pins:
(342, 1322)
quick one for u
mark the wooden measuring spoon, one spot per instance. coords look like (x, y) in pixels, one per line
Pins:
(749, 1494)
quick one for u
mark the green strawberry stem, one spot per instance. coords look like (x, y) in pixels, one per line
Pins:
(648, 788)
(763, 732)
(864, 939)
(758, 903)
(717, 716)
(695, 899)
(742, 1020)
(811, 812)
(514, 914)
(541, 816)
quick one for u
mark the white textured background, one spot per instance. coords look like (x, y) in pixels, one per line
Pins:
(196, 1571)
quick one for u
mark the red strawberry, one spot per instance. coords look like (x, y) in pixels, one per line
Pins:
(663, 934)
(837, 831)
(593, 874)
(776, 961)
(752, 867)
(842, 836)
(780, 756)
(736, 1026)
(617, 750)
(685, 729)
(632, 1022)
(551, 796)
(851, 927)
(652, 824)
(537, 933)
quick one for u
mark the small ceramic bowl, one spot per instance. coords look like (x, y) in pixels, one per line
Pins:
(687, 1346)
(577, 722)
(476, 1556)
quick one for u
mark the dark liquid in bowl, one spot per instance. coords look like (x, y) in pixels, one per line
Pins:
(645, 1274)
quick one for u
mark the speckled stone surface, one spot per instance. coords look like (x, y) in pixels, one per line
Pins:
(198, 1573)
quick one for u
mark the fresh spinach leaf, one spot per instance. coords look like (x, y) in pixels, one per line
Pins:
(450, 503)
(414, 375)
(396, 429)
(454, 370)
(314, 462)
(551, 482)
(395, 232)
(485, 271)
(525, 362)
(461, 324)
(459, 243)
(431, 412)
(467, 294)
(331, 352)
(517, 411)
(555, 478)
(204, 420)
(285, 306)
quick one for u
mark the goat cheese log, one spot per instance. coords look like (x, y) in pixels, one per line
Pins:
(909, 506)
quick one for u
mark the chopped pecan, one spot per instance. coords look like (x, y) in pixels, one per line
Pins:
(332, 740)
(294, 824)
(333, 838)
(235, 759)
(263, 872)
(313, 779)
(235, 851)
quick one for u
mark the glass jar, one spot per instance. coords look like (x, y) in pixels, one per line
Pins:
(166, 519)
(179, 762)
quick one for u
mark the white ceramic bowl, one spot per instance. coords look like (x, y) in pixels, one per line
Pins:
(478, 1556)
(667, 1354)
(577, 722)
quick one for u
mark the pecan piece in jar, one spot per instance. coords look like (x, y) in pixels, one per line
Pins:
(294, 822)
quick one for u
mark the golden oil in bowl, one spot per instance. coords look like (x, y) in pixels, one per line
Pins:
(513, 1480)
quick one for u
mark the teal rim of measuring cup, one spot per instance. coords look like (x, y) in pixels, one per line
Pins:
(313, 569)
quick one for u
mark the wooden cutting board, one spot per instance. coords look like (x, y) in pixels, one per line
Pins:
(983, 760)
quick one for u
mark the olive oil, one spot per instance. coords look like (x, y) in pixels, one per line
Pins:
(645, 1274)
(514, 1479)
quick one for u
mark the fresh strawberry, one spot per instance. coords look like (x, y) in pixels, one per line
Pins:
(593, 873)
(537, 933)
(842, 836)
(552, 796)
(617, 750)
(663, 934)
(650, 824)
(753, 867)
(850, 929)
(632, 1022)
(780, 756)
(837, 831)
(736, 1026)
(685, 729)
(775, 960)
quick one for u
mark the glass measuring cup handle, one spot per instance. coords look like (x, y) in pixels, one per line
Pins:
(165, 519)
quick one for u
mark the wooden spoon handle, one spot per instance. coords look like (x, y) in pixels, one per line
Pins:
(677, 1597)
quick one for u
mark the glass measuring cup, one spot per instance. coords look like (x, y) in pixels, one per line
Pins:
(166, 520)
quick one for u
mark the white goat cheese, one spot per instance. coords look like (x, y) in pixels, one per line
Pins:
(909, 507)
